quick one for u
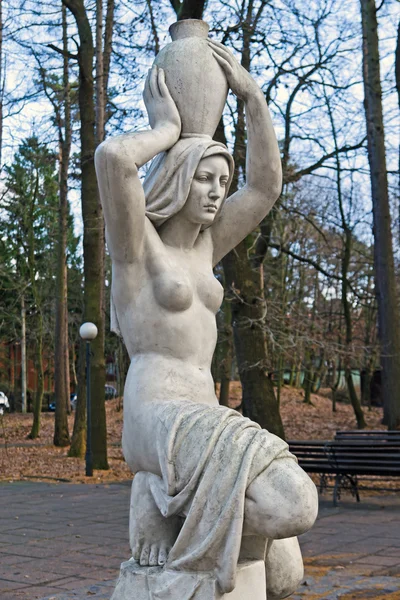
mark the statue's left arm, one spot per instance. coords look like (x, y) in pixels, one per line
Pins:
(246, 208)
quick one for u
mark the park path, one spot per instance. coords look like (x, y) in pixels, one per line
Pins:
(66, 542)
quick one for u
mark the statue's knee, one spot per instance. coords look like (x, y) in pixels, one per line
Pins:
(282, 502)
(304, 505)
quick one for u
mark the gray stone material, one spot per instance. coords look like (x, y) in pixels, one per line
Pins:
(205, 475)
(154, 583)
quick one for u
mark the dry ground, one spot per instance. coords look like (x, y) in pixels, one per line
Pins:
(22, 459)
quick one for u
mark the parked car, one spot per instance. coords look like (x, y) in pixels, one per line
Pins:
(109, 391)
(4, 403)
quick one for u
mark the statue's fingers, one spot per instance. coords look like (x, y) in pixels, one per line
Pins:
(153, 81)
(222, 51)
(226, 66)
(147, 91)
(162, 86)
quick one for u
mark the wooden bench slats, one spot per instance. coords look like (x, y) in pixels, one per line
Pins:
(373, 453)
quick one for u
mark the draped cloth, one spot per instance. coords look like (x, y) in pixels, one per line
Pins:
(168, 181)
(209, 455)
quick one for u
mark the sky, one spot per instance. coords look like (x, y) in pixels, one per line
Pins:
(29, 113)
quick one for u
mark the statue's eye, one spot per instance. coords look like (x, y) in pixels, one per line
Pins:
(202, 178)
(223, 182)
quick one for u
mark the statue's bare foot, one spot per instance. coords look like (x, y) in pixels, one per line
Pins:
(151, 535)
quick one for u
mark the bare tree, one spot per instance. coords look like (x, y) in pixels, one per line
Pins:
(93, 237)
(388, 307)
(61, 358)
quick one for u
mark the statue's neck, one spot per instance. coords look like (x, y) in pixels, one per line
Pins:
(179, 232)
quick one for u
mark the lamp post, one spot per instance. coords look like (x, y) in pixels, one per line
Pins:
(88, 332)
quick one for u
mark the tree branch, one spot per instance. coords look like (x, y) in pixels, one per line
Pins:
(62, 52)
(299, 174)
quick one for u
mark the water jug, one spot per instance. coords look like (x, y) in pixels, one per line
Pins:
(194, 78)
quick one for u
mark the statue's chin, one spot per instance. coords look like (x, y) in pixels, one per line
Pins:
(206, 219)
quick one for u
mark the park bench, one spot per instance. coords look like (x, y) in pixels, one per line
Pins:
(366, 434)
(347, 459)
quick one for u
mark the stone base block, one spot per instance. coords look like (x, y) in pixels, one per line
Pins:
(154, 583)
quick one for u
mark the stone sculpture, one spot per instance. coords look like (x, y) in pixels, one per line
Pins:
(216, 501)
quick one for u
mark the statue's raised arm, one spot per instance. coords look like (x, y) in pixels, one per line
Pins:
(118, 160)
(245, 209)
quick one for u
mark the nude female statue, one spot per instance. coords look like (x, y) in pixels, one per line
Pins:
(164, 241)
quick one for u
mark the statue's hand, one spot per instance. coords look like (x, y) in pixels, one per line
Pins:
(162, 110)
(240, 81)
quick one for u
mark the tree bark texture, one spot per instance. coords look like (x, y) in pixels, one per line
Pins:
(78, 443)
(38, 398)
(37, 307)
(93, 232)
(388, 309)
(61, 358)
(2, 83)
(248, 313)
(246, 287)
(226, 354)
(397, 74)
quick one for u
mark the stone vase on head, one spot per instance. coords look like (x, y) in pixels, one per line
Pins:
(194, 78)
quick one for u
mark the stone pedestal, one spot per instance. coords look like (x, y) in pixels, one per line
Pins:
(154, 583)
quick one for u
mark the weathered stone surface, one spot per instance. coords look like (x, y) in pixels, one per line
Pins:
(154, 583)
(205, 475)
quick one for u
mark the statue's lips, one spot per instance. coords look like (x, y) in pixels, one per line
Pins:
(211, 207)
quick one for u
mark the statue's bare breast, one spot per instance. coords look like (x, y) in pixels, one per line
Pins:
(166, 308)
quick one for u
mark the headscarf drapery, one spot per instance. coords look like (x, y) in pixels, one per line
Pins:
(168, 181)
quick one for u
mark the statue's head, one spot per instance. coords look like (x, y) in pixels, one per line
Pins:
(193, 177)
(208, 190)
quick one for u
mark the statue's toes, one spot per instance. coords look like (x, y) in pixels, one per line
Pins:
(153, 558)
(144, 556)
(162, 555)
(136, 551)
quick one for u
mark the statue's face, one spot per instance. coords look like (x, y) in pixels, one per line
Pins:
(207, 191)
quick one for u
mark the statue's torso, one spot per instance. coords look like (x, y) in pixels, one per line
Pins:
(166, 305)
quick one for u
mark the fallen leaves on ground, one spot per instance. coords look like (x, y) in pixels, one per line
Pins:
(24, 459)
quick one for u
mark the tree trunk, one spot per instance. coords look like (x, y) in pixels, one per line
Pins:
(2, 84)
(78, 443)
(248, 304)
(308, 377)
(37, 403)
(93, 234)
(226, 355)
(345, 264)
(397, 72)
(335, 383)
(100, 91)
(355, 402)
(23, 357)
(366, 377)
(388, 310)
(248, 313)
(61, 357)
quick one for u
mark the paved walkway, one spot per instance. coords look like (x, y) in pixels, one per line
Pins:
(65, 542)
